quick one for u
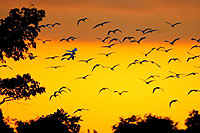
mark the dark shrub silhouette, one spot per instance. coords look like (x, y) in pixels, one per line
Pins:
(19, 88)
(4, 127)
(58, 122)
(18, 31)
(150, 124)
(193, 122)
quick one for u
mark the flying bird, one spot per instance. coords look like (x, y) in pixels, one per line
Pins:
(195, 46)
(147, 82)
(109, 46)
(68, 39)
(55, 67)
(156, 88)
(54, 95)
(138, 41)
(153, 62)
(177, 75)
(114, 39)
(120, 93)
(107, 54)
(97, 66)
(172, 42)
(174, 59)
(103, 89)
(193, 91)
(112, 68)
(55, 24)
(150, 31)
(81, 20)
(146, 54)
(44, 41)
(192, 73)
(172, 101)
(104, 40)
(197, 40)
(113, 31)
(84, 77)
(86, 61)
(127, 38)
(173, 25)
(52, 57)
(134, 62)
(143, 31)
(161, 47)
(167, 50)
(193, 57)
(152, 76)
(6, 66)
(101, 24)
(80, 110)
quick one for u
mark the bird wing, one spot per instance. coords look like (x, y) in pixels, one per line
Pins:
(95, 67)
(110, 32)
(190, 91)
(175, 40)
(123, 92)
(106, 38)
(96, 26)
(176, 23)
(168, 23)
(78, 21)
(170, 60)
(141, 39)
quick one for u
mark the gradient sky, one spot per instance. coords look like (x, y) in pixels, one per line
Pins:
(106, 108)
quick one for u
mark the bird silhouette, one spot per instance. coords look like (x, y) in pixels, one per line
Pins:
(112, 68)
(134, 62)
(146, 54)
(86, 61)
(114, 39)
(143, 31)
(54, 95)
(167, 50)
(150, 31)
(6, 66)
(107, 54)
(103, 89)
(55, 67)
(156, 88)
(195, 46)
(172, 42)
(174, 59)
(170, 76)
(109, 46)
(197, 40)
(80, 110)
(143, 61)
(81, 20)
(113, 31)
(153, 62)
(120, 93)
(152, 76)
(172, 101)
(55, 24)
(192, 73)
(104, 40)
(138, 41)
(97, 66)
(128, 38)
(193, 57)
(173, 25)
(147, 82)
(160, 48)
(68, 39)
(52, 57)
(84, 77)
(177, 75)
(101, 24)
(63, 88)
(44, 41)
(194, 90)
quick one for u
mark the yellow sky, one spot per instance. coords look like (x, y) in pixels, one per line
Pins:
(106, 108)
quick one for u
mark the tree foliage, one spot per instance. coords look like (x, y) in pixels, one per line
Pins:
(150, 123)
(19, 87)
(193, 122)
(4, 127)
(18, 31)
(59, 122)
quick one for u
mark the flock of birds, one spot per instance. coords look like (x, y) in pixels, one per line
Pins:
(70, 54)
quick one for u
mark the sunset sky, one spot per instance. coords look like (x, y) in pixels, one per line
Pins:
(106, 108)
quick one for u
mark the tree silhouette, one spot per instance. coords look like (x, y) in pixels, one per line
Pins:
(59, 122)
(193, 122)
(150, 123)
(18, 31)
(19, 88)
(4, 127)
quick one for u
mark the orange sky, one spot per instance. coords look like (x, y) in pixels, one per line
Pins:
(106, 108)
